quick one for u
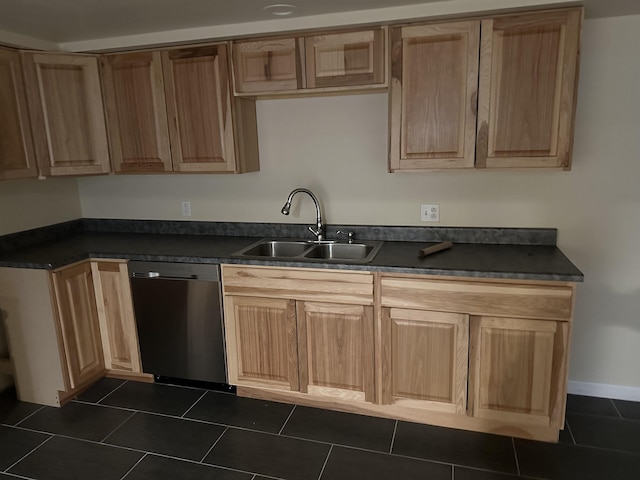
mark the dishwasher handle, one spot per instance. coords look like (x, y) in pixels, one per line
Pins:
(157, 275)
(174, 271)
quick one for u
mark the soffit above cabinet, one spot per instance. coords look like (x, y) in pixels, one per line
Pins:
(98, 25)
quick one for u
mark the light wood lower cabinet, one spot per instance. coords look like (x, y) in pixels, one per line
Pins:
(281, 338)
(69, 327)
(517, 370)
(336, 350)
(78, 324)
(425, 359)
(116, 318)
(487, 355)
(261, 342)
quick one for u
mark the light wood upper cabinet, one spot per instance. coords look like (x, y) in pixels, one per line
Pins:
(518, 370)
(528, 72)
(345, 59)
(433, 95)
(115, 315)
(425, 359)
(78, 324)
(332, 61)
(267, 65)
(336, 350)
(136, 112)
(261, 342)
(202, 117)
(17, 158)
(496, 93)
(67, 114)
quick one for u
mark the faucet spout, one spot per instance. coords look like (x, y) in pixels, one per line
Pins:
(319, 230)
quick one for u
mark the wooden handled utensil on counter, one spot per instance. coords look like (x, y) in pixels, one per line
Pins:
(434, 248)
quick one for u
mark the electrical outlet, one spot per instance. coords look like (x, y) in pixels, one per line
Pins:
(186, 209)
(430, 212)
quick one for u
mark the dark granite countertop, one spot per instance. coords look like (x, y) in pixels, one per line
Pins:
(529, 259)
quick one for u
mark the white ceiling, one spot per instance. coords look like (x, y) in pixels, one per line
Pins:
(68, 21)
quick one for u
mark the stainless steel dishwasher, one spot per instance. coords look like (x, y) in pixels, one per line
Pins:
(178, 312)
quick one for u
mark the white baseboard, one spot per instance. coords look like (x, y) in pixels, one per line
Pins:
(604, 391)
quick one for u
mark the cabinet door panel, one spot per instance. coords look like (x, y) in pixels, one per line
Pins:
(425, 359)
(345, 59)
(67, 114)
(136, 111)
(115, 313)
(528, 67)
(17, 158)
(79, 324)
(199, 109)
(518, 369)
(261, 342)
(335, 344)
(267, 65)
(433, 94)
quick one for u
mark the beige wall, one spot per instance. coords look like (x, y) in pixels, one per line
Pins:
(336, 146)
(26, 204)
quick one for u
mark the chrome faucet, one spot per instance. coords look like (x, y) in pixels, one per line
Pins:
(319, 230)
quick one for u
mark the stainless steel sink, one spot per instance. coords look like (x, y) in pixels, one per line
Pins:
(341, 251)
(276, 248)
(306, 251)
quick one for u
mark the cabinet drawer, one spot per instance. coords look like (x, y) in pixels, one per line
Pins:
(479, 298)
(298, 284)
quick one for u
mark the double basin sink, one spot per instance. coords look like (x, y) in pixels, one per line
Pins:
(361, 252)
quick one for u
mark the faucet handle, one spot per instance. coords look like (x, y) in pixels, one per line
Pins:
(351, 236)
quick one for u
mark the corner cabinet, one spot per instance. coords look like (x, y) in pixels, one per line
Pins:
(67, 114)
(492, 93)
(17, 157)
(78, 325)
(69, 327)
(303, 331)
(117, 322)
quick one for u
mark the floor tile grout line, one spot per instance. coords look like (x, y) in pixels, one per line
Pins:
(194, 404)
(134, 466)
(616, 408)
(117, 428)
(214, 444)
(104, 405)
(287, 420)
(326, 460)
(515, 454)
(15, 475)
(393, 437)
(114, 390)
(29, 416)
(29, 453)
(570, 432)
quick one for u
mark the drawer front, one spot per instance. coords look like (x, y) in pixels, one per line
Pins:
(298, 284)
(479, 298)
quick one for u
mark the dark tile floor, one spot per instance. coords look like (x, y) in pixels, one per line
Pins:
(135, 431)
